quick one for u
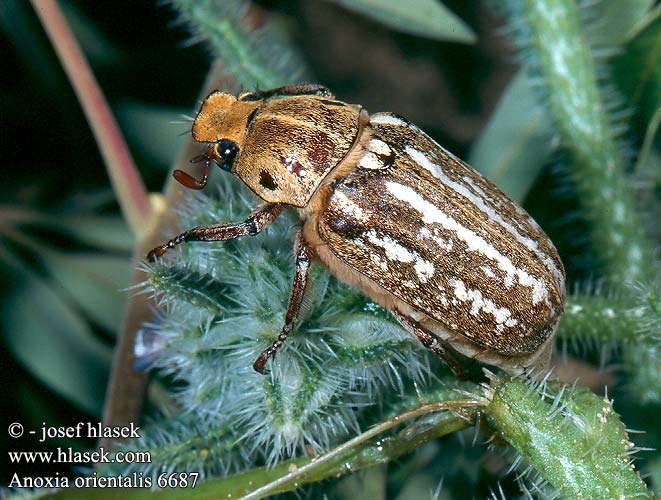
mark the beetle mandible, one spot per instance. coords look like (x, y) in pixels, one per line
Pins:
(387, 210)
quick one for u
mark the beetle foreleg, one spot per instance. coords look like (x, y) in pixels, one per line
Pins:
(188, 180)
(258, 220)
(430, 341)
(301, 275)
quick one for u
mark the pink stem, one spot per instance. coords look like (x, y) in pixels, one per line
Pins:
(127, 183)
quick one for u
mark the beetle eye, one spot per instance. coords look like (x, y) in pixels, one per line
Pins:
(226, 152)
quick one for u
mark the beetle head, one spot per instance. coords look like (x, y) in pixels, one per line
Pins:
(281, 147)
(222, 122)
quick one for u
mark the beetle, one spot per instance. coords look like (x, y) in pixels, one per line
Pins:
(389, 211)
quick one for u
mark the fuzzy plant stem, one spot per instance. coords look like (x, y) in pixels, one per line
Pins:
(599, 319)
(559, 55)
(631, 320)
(608, 318)
(255, 53)
(574, 441)
(567, 73)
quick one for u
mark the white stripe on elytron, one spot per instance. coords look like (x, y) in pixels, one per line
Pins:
(387, 119)
(347, 206)
(436, 170)
(431, 214)
(443, 244)
(502, 315)
(395, 251)
(424, 269)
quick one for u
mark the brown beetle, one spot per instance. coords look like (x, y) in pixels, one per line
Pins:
(389, 211)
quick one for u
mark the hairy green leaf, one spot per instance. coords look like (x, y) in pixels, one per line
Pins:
(517, 142)
(56, 345)
(105, 232)
(638, 68)
(95, 283)
(614, 19)
(255, 56)
(156, 131)
(576, 441)
(427, 18)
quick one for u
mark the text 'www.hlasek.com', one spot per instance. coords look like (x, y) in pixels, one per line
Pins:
(88, 459)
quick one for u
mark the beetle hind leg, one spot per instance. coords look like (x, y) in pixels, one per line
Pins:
(431, 342)
(301, 275)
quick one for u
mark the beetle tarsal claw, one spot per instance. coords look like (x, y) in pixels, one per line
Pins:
(260, 362)
(154, 254)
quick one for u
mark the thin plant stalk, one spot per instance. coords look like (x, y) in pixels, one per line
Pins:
(128, 186)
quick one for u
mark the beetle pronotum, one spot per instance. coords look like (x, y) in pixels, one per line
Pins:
(389, 211)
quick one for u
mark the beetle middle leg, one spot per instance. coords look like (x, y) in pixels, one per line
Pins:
(258, 220)
(301, 275)
(430, 341)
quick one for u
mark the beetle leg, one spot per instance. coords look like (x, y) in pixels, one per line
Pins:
(430, 341)
(188, 180)
(258, 220)
(288, 90)
(301, 275)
